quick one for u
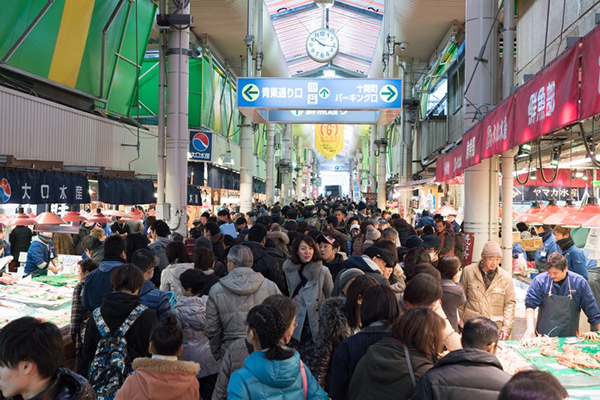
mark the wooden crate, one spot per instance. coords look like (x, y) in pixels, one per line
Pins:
(532, 244)
(516, 237)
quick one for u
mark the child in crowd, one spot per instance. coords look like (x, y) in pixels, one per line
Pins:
(162, 376)
(79, 315)
(191, 313)
(31, 356)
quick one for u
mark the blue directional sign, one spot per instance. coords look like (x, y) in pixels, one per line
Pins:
(321, 116)
(258, 95)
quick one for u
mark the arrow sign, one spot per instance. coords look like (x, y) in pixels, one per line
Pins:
(388, 93)
(250, 92)
(324, 93)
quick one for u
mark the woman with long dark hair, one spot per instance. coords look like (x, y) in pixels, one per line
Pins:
(272, 370)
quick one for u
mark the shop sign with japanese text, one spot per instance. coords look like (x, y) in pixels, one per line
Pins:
(498, 126)
(590, 75)
(32, 187)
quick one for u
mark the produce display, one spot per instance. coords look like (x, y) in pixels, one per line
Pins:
(59, 280)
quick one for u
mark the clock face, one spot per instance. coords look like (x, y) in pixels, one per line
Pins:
(322, 45)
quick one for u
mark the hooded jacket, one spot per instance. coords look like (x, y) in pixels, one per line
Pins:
(169, 279)
(154, 299)
(217, 246)
(282, 241)
(383, 372)
(67, 386)
(368, 266)
(318, 287)
(272, 380)
(159, 248)
(97, 284)
(115, 308)
(161, 379)
(191, 314)
(467, 374)
(334, 329)
(232, 361)
(266, 265)
(228, 304)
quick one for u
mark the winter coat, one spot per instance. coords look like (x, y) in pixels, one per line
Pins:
(228, 304)
(452, 298)
(159, 248)
(576, 261)
(368, 266)
(67, 386)
(317, 288)
(334, 329)
(191, 314)
(357, 245)
(232, 361)
(115, 308)
(467, 374)
(549, 246)
(459, 244)
(383, 372)
(39, 256)
(349, 353)
(426, 220)
(496, 303)
(336, 265)
(272, 380)
(20, 239)
(266, 265)
(154, 299)
(161, 379)
(97, 284)
(218, 248)
(282, 241)
(447, 243)
(169, 279)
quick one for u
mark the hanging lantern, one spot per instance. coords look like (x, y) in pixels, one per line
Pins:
(49, 218)
(527, 215)
(97, 217)
(539, 217)
(74, 216)
(583, 215)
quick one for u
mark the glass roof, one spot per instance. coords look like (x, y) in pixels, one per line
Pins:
(356, 23)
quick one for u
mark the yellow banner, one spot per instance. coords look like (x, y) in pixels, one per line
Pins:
(329, 139)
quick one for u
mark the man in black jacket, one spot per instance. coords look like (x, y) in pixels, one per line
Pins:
(472, 373)
(263, 262)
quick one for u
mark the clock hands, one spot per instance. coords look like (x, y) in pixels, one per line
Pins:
(323, 44)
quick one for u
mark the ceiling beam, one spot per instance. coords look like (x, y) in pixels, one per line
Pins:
(358, 10)
(287, 12)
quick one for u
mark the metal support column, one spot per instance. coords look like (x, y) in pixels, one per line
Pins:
(286, 161)
(481, 181)
(246, 129)
(162, 86)
(407, 129)
(299, 165)
(373, 161)
(507, 156)
(270, 164)
(177, 123)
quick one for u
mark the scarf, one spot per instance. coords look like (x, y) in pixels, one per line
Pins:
(565, 243)
(44, 239)
(488, 277)
(303, 279)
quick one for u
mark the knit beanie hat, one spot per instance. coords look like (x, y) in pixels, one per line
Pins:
(372, 233)
(491, 249)
(343, 278)
(361, 206)
(413, 241)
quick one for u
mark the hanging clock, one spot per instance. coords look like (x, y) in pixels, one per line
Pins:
(322, 45)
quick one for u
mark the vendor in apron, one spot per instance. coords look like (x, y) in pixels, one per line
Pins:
(560, 296)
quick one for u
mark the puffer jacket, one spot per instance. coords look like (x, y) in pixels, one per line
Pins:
(266, 265)
(169, 279)
(161, 379)
(191, 314)
(272, 380)
(333, 330)
(228, 304)
(154, 299)
(318, 287)
(232, 361)
(467, 374)
(67, 386)
(496, 303)
(282, 241)
(383, 372)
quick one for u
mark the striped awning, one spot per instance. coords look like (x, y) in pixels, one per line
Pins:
(356, 23)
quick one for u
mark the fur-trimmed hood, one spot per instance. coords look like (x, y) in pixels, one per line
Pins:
(279, 236)
(334, 323)
(166, 365)
(310, 272)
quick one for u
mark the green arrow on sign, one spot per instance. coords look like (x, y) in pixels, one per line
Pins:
(250, 92)
(324, 93)
(390, 92)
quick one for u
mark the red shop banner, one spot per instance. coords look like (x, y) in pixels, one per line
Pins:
(549, 100)
(472, 139)
(590, 74)
(498, 129)
(469, 243)
(458, 160)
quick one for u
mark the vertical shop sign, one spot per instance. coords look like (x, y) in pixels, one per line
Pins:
(329, 139)
(590, 75)
(549, 100)
(468, 251)
(471, 139)
(200, 146)
(356, 189)
(498, 126)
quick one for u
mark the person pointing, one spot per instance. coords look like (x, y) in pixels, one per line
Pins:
(560, 295)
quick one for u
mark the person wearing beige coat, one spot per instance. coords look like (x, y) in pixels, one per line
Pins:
(490, 291)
